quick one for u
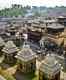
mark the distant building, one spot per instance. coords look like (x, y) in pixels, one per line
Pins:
(49, 69)
(55, 33)
(9, 52)
(35, 29)
(62, 20)
(26, 60)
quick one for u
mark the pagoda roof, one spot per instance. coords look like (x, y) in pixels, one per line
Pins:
(55, 26)
(10, 47)
(62, 17)
(50, 66)
(26, 54)
(50, 21)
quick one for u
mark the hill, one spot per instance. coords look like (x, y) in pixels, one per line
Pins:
(19, 10)
(15, 10)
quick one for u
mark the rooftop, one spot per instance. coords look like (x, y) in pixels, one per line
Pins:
(62, 17)
(10, 47)
(55, 26)
(26, 54)
(50, 21)
(50, 66)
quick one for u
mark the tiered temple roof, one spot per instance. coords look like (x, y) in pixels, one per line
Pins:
(26, 54)
(50, 66)
(10, 47)
(55, 26)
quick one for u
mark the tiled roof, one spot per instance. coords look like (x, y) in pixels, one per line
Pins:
(55, 26)
(10, 47)
(26, 54)
(50, 66)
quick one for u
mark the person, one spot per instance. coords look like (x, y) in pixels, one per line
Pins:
(41, 44)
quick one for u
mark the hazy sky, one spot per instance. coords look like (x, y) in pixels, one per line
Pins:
(7, 3)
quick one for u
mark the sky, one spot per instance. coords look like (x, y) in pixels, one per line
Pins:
(48, 3)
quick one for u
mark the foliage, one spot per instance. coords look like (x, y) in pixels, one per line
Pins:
(19, 10)
(15, 10)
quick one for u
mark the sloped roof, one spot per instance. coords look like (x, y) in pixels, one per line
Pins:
(50, 21)
(2, 43)
(55, 26)
(26, 54)
(50, 66)
(10, 47)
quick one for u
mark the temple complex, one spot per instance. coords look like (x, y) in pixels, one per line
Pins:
(34, 46)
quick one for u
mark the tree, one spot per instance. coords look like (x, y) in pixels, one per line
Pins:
(37, 14)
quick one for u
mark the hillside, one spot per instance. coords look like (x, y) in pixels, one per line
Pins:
(15, 10)
(49, 11)
(18, 10)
